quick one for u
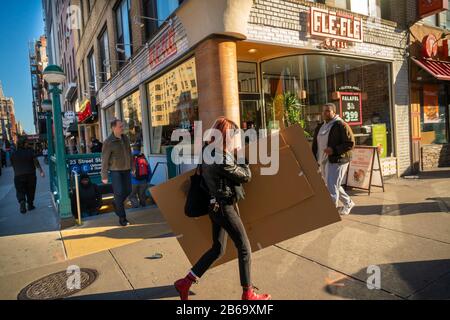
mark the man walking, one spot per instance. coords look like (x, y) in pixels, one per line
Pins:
(25, 163)
(117, 160)
(332, 146)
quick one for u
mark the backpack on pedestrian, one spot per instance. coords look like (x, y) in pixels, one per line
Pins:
(141, 167)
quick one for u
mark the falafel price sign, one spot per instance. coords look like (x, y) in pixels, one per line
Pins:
(351, 107)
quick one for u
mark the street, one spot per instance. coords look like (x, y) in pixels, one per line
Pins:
(404, 231)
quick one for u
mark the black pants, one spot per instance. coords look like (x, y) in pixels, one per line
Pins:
(138, 191)
(227, 222)
(121, 183)
(25, 187)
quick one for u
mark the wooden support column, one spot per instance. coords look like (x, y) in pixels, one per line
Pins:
(216, 64)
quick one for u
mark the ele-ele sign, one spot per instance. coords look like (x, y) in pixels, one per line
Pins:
(330, 24)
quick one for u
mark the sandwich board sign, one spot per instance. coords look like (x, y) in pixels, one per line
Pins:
(364, 171)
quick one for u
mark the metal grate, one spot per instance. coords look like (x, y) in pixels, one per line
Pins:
(55, 286)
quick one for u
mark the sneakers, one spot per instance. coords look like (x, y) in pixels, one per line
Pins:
(250, 294)
(124, 222)
(23, 208)
(347, 209)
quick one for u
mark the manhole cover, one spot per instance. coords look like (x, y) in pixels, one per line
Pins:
(55, 286)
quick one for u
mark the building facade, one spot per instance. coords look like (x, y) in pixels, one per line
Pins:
(429, 78)
(8, 127)
(154, 65)
(38, 62)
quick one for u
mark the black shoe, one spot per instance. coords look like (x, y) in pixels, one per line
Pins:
(124, 222)
(31, 207)
(23, 208)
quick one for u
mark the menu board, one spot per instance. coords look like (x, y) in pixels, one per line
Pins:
(364, 171)
(351, 107)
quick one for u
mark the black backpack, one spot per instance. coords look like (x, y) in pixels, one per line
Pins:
(198, 198)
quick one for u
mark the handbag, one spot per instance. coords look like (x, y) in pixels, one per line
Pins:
(198, 199)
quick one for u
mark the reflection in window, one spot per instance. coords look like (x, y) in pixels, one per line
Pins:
(295, 89)
(247, 77)
(132, 118)
(110, 115)
(174, 104)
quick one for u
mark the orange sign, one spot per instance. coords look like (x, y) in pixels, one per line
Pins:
(429, 46)
(430, 7)
(327, 23)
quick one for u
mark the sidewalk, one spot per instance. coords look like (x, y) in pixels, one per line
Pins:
(404, 231)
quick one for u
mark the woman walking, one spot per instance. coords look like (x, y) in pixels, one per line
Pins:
(224, 183)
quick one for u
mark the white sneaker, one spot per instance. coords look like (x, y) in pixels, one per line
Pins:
(347, 209)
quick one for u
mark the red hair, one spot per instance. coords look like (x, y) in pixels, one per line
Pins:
(223, 125)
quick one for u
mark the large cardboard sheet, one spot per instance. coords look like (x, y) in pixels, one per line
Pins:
(276, 208)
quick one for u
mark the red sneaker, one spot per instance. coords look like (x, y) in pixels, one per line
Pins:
(183, 286)
(250, 294)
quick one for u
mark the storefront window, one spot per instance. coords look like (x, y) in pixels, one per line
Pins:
(174, 105)
(434, 114)
(132, 117)
(295, 89)
(110, 115)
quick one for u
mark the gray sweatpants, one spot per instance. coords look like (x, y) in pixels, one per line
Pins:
(335, 177)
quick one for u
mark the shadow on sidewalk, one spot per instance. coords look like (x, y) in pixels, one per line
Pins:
(155, 293)
(417, 280)
(401, 209)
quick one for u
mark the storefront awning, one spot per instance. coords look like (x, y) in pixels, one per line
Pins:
(438, 69)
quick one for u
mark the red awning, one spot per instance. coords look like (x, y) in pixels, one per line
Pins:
(438, 69)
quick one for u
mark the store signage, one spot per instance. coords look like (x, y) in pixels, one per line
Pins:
(431, 104)
(330, 24)
(69, 115)
(163, 48)
(85, 111)
(90, 166)
(365, 171)
(379, 138)
(351, 107)
(430, 7)
(429, 46)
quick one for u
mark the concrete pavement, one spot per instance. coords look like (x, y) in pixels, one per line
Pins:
(404, 231)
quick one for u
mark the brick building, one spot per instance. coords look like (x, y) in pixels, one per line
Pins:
(157, 66)
(8, 127)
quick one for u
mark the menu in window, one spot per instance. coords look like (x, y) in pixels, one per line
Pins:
(351, 107)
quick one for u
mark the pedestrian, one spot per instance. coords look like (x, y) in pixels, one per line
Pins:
(141, 178)
(332, 146)
(25, 163)
(224, 183)
(90, 197)
(96, 146)
(117, 160)
(3, 158)
(45, 154)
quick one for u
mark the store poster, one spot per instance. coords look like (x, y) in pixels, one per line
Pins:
(379, 138)
(430, 104)
(360, 168)
(351, 107)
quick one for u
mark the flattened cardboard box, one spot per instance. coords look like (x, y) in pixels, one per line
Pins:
(276, 208)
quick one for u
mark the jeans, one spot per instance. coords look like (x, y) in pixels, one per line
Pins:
(121, 184)
(335, 178)
(138, 191)
(226, 222)
(25, 187)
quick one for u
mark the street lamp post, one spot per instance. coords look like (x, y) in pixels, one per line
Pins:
(47, 107)
(54, 76)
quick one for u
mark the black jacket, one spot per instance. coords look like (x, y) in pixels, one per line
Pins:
(340, 139)
(90, 198)
(24, 162)
(224, 181)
